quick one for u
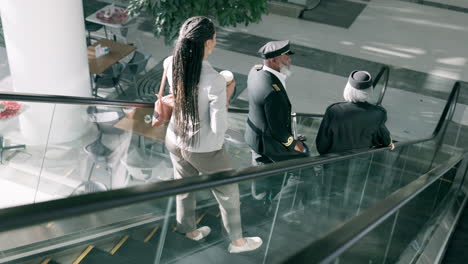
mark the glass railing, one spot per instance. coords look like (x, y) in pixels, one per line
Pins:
(307, 204)
(310, 199)
(409, 226)
(102, 145)
(413, 223)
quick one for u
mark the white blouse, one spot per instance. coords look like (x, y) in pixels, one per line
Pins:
(211, 108)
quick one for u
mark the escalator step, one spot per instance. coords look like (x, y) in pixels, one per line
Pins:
(213, 249)
(177, 244)
(218, 253)
(216, 227)
(94, 255)
(137, 250)
(49, 261)
(174, 243)
(456, 250)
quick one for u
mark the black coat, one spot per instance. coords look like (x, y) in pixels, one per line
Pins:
(268, 131)
(348, 126)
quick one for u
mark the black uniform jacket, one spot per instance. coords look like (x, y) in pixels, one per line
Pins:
(268, 131)
(348, 126)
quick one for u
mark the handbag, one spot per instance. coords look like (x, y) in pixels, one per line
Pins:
(164, 104)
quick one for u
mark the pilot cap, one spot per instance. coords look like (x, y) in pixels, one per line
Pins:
(275, 48)
(360, 80)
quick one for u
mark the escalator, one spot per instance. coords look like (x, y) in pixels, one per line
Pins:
(456, 249)
(358, 206)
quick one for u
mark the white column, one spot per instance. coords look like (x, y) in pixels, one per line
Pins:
(46, 48)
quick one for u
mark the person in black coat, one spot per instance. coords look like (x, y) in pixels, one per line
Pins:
(268, 130)
(350, 125)
(355, 123)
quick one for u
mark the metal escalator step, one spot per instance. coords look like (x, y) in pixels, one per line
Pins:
(456, 249)
(94, 255)
(216, 227)
(253, 212)
(49, 261)
(218, 253)
(178, 242)
(174, 243)
(137, 250)
(151, 234)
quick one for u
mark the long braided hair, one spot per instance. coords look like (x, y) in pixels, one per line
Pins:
(188, 55)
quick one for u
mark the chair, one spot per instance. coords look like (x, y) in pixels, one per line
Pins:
(90, 7)
(109, 79)
(122, 31)
(93, 27)
(148, 84)
(135, 66)
(4, 148)
(105, 119)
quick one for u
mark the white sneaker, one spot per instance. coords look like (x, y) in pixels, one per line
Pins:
(251, 243)
(204, 232)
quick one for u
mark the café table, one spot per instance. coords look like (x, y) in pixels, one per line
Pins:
(140, 162)
(117, 25)
(117, 51)
(134, 122)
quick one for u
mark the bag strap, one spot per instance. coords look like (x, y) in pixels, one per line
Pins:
(254, 128)
(163, 83)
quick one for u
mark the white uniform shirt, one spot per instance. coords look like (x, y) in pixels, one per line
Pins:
(281, 76)
(211, 108)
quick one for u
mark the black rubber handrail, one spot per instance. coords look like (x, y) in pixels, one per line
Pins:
(246, 111)
(384, 71)
(309, 6)
(26, 215)
(75, 100)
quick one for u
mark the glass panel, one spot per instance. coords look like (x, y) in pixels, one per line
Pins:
(21, 162)
(455, 140)
(76, 149)
(240, 152)
(420, 159)
(112, 147)
(234, 141)
(373, 247)
(402, 237)
(286, 210)
(308, 126)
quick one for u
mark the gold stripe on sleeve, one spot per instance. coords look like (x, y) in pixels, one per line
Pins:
(290, 141)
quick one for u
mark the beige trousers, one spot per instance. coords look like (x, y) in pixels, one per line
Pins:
(191, 164)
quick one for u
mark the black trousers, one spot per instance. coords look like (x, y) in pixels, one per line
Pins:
(300, 183)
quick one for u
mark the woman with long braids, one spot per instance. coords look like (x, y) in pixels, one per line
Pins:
(195, 134)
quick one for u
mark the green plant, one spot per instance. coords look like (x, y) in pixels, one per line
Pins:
(168, 15)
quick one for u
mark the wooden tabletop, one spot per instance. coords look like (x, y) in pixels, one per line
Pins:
(134, 123)
(117, 51)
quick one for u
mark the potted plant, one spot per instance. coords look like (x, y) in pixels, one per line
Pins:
(168, 15)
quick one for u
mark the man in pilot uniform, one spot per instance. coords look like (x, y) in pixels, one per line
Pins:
(268, 131)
